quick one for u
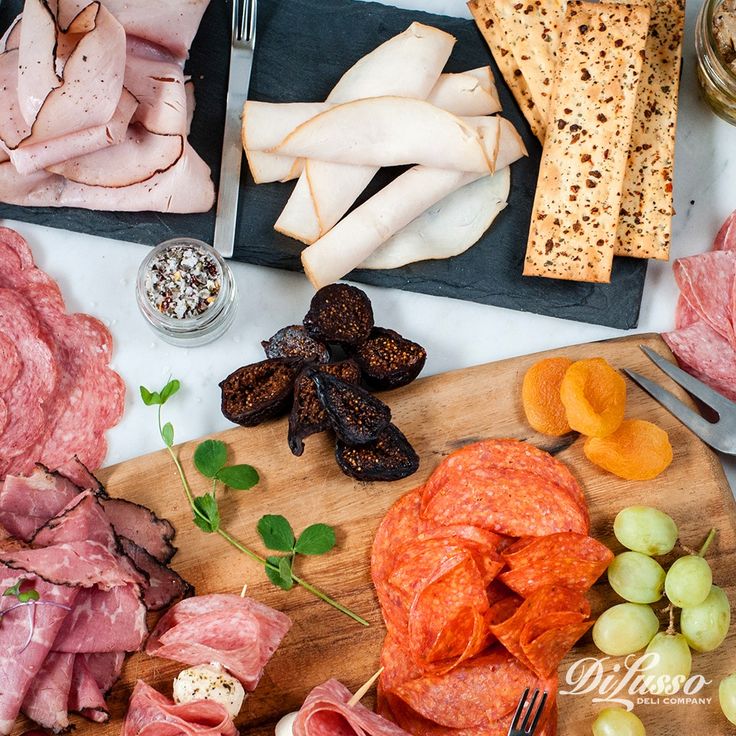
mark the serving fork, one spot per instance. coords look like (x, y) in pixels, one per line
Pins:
(526, 719)
(720, 435)
(242, 46)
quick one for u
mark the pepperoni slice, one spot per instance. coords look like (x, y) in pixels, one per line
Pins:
(545, 641)
(568, 559)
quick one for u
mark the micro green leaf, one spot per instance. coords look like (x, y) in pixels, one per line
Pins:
(13, 590)
(276, 533)
(207, 513)
(285, 564)
(167, 434)
(169, 390)
(28, 595)
(238, 477)
(150, 398)
(316, 540)
(209, 457)
(273, 571)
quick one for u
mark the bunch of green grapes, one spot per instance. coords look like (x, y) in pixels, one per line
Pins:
(705, 613)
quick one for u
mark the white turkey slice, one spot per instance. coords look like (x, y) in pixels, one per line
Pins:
(449, 227)
(11, 38)
(359, 234)
(467, 93)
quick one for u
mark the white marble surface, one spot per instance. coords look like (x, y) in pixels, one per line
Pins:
(98, 276)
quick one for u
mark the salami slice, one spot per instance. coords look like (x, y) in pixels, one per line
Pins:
(10, 362)
(152, 714)
(567, 559)
(726, 238)
(685, 313)
(327, 705)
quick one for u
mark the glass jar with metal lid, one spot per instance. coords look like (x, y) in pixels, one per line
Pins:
(716, 75)
(186, 292)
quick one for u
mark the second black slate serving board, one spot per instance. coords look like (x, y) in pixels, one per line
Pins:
(303, 48)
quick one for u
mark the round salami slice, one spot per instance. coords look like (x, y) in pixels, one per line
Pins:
(726, 238)
(3, 416)
(685, 313)
(10, 363)
(25, 399)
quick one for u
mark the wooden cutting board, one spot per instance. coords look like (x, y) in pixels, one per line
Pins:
(438, 414)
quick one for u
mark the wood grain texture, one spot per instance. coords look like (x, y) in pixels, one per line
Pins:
(438, 414)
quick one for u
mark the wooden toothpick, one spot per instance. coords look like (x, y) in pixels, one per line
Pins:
(363, 690)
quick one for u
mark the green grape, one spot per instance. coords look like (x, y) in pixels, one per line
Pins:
(727, 697)
(617, 722)
(645, 529)
(625, 629)
(671, 666)
(636, 577)
(688, 581)
(705, 626)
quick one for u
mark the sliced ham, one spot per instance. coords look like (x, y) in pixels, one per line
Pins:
(104, 621)
(163, 585)
(141, 526)
(85, 696)
(83, 564)
(79, 474)
(327, 706)
(152, 714)
(47, 698)
(105, 667)
(20, 660)
(240, 633)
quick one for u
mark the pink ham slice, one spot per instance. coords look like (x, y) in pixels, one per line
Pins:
(36, 380)
(18, 665)
(79, 474)
(152, 714)
(240, 633)
(105, 667)
(171, 24)
(104, 621)
(82, 564)
(326, 711)
(46, 699)
(85, 696)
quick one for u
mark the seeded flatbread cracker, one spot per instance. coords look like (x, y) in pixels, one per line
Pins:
(644, 229)
(578, 198)
(531, 28)
(487, 21)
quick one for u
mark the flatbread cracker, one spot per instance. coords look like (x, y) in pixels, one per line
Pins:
(645, 225)
(493, 32)
(578, 197)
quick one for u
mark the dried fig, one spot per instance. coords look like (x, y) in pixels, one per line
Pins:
(308, 416)
(390, 457)
(389, 360)
(356, 416)
(340, 313)
(294, 342)
(260, 391)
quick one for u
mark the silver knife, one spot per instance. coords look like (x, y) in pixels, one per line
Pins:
(241, 62)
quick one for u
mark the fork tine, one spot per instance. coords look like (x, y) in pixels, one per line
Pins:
(702, 427)
(529, 712)
(689, 383)
(253, 14)
(519, 709)
(540, 710)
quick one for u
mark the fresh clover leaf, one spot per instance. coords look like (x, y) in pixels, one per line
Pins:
(153, 398)
(278, 570)
(210, 457)
(238, 477)
(276, 533)
(206, 513)
(315, 540)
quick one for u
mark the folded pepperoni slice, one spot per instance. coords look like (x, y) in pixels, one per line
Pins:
(568, 559)
(546, 640)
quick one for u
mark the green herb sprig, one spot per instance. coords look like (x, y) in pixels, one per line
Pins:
(25, 596)
(210, 459)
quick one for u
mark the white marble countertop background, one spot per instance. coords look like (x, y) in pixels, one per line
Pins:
(98, 276)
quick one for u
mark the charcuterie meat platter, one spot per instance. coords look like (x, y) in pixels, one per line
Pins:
(438, 414)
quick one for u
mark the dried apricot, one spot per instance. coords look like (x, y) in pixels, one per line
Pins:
(637, 450)
(594, 396)
(540, 394)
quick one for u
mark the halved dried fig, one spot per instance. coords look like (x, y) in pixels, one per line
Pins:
(260, 391)
(294, 342)
(356, 416)
(390, 457)
(340, 313)
(389, 360)
(308, 416)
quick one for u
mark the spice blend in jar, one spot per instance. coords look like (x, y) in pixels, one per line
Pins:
(186, 292)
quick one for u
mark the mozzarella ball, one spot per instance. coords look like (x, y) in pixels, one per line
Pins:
(209, 682)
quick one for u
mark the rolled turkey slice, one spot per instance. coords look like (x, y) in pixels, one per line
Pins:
(393, 131)
(356, 237)
(449, 227)
(467, 93)
(10, 40)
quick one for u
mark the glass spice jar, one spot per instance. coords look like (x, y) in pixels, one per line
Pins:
(717, 79)
(186, 292)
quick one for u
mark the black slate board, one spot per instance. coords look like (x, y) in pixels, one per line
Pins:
(303, 48)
